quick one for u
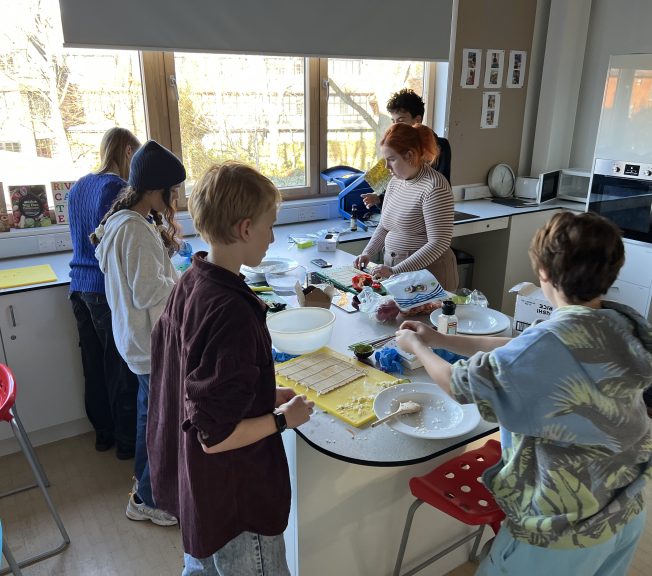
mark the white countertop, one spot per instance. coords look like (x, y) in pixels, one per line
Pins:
(484, 209)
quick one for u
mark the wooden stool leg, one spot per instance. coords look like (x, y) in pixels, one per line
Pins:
(406, 534)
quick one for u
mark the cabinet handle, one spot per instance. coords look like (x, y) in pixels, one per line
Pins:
(13, 317)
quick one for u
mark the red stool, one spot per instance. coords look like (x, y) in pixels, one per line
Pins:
(456, 489)
(9, 414)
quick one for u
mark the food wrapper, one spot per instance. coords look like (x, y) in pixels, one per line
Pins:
(415, 292)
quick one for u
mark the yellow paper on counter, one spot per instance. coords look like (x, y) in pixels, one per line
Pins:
(13, 277)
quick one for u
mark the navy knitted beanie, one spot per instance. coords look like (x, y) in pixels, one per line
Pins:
(154, 167)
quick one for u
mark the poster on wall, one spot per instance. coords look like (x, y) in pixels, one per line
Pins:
(516, 69)
(493, 72)
(490, 109)
(471, 62)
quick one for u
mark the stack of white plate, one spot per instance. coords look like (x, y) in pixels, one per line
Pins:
(477, 320)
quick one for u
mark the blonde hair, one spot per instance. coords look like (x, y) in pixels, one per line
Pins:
(227, 194)
(113, 151)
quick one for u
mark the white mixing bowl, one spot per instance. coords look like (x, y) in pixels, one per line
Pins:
(301, 330)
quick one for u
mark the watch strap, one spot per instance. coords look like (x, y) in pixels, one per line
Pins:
(279, 419)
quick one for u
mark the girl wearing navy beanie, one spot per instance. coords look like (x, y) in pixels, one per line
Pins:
(135, 240)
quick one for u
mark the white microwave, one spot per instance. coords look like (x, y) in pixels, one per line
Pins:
(567, 184)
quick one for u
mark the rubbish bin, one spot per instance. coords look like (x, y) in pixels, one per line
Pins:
(465, 263)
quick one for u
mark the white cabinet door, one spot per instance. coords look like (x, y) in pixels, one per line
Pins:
(40, 340)
(638, 264)
(519, 269)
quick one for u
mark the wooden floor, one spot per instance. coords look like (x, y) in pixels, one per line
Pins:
(90, 489)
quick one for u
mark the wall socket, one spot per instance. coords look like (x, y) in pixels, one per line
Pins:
(476, 191)
(62, 242)
(313, 212)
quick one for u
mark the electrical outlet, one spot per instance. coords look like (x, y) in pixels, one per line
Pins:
(46, 244)
(313, 212)
(62, 242)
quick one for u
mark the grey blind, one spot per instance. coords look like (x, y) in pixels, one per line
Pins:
(405, 30)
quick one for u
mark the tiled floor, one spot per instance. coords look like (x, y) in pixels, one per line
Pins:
(90, 490)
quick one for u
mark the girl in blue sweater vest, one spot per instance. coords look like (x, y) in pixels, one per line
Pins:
(110, 387)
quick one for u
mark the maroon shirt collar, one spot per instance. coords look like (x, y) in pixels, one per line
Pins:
(218, 274)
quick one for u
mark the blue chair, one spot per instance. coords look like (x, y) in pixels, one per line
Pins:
(8, 414)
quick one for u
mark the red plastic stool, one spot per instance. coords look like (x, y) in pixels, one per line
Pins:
(456, 489)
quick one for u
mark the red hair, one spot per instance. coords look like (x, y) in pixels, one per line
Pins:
(418, 139)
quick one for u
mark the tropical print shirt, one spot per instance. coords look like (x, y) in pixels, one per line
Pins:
(569, 390)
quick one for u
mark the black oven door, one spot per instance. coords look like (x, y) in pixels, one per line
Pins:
(625, 201)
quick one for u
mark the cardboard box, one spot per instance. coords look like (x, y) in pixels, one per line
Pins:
(328, 243)
(531, 305)
(319, 296)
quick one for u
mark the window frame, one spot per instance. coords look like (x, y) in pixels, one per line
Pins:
(162, 116)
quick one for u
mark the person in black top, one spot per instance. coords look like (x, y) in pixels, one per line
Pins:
(407, 106)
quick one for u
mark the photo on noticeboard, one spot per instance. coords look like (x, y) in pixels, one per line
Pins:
(490, 110)
(471, 62)
(516, 69)
(493, 73)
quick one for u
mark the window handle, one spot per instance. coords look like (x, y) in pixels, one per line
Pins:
(172, 81)
(326, 86)
(13, 316)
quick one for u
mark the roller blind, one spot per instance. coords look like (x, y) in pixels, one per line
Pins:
(409, 29)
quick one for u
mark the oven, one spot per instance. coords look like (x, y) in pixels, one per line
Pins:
(622, 192)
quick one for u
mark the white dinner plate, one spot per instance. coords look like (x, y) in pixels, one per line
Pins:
(276, 265)
(472, 319)
(440, 415)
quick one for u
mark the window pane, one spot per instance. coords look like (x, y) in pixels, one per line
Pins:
(357, 117)
(56, 103)
(247, 108)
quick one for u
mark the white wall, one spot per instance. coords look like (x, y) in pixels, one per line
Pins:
(615, 27)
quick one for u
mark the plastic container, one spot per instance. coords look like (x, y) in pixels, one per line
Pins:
(301, 330)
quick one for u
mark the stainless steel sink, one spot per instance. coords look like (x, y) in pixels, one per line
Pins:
(459, 216)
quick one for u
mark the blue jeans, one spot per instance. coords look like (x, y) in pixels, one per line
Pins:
(141, 465)
(248, 554)
(611, 558)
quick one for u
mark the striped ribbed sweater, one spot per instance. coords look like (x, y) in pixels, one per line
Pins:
(417, 217)
(88, 202)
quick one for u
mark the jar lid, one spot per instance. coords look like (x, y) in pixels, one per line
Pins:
(448, 308)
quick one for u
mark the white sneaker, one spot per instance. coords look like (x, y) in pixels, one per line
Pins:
(144, 512)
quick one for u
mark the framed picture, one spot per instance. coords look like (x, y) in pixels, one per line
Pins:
(490, 110)
(493, 71)
(516, 69)
(471, 63)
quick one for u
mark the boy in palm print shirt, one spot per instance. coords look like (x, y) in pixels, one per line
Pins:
(569, 390)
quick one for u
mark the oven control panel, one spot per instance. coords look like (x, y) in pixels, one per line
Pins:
(623, 169)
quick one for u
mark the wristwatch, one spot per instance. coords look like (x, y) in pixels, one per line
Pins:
(281, 422)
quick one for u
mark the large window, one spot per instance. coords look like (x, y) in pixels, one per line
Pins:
(357, 115)
(290, 117)
(56, 103)
(248, 108)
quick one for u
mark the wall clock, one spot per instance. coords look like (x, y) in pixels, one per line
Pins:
(501, 180)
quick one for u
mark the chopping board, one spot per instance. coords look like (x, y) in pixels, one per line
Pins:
(26, 276)
(341, 277)
(353, 402)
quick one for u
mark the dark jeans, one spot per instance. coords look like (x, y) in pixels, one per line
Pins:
(141, 464)
(110, 387)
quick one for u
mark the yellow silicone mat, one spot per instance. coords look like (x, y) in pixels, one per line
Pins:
(13, 277)
(352, 402)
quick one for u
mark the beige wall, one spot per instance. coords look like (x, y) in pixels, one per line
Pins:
(488, 24)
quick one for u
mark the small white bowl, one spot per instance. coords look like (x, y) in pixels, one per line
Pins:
(301, 330)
